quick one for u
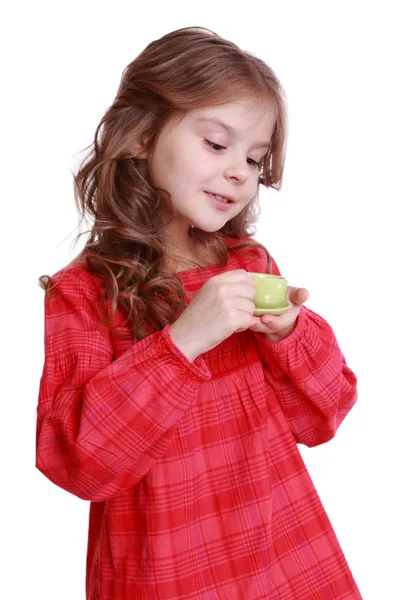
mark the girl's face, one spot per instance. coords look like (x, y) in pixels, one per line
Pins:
(215, 149)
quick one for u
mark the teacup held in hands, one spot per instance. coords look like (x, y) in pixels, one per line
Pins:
(270, 292)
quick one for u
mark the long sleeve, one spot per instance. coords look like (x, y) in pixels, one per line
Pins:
(308, 372)
(103, 422)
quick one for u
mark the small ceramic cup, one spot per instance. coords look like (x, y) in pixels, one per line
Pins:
(270, 290)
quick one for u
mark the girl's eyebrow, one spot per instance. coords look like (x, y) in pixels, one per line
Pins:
(231, 130)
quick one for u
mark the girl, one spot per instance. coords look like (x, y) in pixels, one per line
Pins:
(163, 400)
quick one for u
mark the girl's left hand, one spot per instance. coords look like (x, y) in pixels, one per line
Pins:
(277, 327)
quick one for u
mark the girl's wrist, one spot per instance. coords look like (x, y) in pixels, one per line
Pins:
(281, 335)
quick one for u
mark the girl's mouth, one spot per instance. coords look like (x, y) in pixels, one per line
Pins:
(220, 201)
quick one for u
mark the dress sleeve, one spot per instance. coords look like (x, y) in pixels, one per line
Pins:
(103, 422)
(308, 372)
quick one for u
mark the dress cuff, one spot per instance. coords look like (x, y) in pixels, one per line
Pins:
(197, 368)
(290, 340)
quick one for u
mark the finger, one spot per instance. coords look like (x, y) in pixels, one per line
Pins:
(297, 296)
(235, 276)
(261, 328)
(277, 322)
(273, 323)
(302, 295)
(258, 326)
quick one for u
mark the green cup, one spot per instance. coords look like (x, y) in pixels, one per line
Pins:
(270, 290)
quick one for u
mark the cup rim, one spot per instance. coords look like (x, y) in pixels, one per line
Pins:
(263, 275)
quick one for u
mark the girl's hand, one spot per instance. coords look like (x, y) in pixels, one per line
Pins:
(277, 327)
(223, 306)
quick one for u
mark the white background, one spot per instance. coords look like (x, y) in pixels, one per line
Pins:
(332, 229)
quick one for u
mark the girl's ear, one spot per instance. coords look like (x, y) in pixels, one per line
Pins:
(140, 149)
(139, 152)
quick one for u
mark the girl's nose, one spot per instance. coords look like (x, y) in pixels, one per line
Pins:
(237, 170)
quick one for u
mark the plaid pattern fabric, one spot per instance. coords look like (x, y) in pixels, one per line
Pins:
(198, 490)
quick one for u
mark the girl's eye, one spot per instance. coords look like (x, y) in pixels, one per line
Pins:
(255, 163)
(218, 148)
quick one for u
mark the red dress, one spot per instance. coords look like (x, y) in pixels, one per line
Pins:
(198, 490)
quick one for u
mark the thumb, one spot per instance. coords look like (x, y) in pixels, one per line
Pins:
(297, 295)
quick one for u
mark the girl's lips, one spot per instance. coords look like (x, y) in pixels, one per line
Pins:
(229, 198)
(220, 204)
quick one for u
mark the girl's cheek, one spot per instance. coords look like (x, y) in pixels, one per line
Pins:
(209, 169)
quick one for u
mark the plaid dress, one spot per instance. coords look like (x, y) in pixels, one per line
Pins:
(196, 485)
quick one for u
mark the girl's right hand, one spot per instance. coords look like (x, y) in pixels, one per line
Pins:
(224, 305)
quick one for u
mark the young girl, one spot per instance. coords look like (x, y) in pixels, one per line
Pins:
(163, 399)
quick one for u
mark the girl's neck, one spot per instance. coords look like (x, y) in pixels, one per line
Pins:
(184, 262)
(185, 257)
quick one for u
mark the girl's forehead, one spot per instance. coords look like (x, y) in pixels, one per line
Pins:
(244, 109)
(235, 116)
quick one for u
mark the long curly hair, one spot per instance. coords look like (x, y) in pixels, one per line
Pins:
(186, 69)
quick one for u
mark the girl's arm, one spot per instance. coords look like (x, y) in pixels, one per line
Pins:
(101, 424)
(308, 372)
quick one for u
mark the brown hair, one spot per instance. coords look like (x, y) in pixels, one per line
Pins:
(186, 69)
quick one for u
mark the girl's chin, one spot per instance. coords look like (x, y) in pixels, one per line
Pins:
(207, 227)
